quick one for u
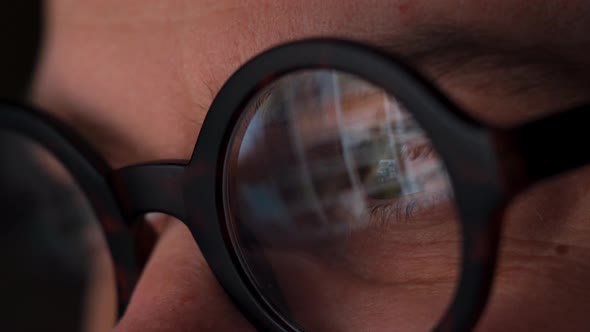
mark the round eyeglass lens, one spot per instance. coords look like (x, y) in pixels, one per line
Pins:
(339, 207)
(57, 273)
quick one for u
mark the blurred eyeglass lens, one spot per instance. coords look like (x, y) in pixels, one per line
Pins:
(57, 266)
(340, 208)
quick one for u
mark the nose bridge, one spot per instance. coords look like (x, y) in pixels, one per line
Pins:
(156, 187)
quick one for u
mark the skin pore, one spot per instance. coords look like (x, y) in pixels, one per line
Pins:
(136, 79)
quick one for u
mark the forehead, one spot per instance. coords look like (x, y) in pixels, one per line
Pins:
(221, 35)
(215, 33)
(119, 58)
(310, 15)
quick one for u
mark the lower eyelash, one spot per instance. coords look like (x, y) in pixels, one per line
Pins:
(384, 214)
(405, 210)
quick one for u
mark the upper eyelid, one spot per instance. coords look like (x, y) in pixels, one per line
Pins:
(471, 58)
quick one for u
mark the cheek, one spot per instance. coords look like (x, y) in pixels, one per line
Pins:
(367, 284)
(537, 292)
(544, 261)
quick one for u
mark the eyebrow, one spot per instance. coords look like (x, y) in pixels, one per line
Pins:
(452, 52)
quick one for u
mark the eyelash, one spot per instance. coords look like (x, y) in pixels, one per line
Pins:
(380, 214)
(402, 210)
(406, 210)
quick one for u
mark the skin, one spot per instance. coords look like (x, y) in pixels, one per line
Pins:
(137, 77)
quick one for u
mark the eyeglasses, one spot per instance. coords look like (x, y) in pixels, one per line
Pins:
(330, 187)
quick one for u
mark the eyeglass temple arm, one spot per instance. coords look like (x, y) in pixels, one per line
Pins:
(546, 147)
(149, 188)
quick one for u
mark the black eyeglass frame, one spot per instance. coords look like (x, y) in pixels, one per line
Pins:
(487, 166)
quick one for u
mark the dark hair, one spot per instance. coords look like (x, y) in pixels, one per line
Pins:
(20, 36)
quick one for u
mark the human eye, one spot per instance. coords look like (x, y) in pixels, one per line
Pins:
(409, 184)
(337, 154)
(390, 161)
(332, 184)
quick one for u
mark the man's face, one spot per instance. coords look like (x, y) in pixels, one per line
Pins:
(137, 78)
